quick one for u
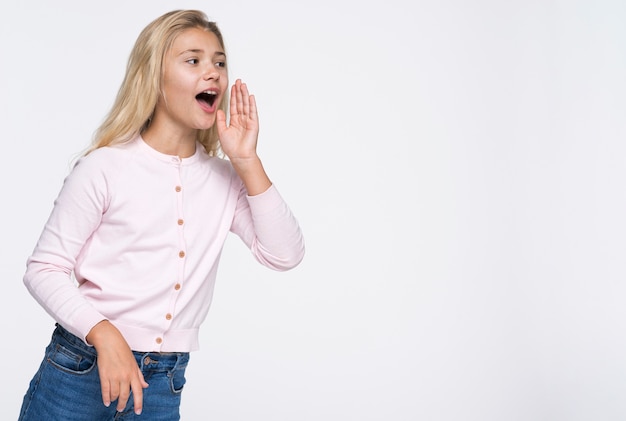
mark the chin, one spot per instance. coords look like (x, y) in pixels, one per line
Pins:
(206, 125)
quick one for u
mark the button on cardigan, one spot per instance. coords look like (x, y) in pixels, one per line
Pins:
(135, 237)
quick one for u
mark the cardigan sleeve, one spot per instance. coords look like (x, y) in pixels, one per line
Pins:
(268, 227)
(77, 212)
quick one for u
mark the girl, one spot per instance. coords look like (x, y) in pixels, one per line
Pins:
(141, 221)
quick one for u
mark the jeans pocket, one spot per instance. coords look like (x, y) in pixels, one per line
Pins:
(70, 359)
(177, 379)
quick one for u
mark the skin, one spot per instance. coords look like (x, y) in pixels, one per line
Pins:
(196, 62)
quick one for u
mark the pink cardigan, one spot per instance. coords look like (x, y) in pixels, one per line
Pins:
(143, 232)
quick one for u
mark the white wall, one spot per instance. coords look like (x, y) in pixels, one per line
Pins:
(457, 168)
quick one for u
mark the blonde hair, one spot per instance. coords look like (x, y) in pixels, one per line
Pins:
(137, 97)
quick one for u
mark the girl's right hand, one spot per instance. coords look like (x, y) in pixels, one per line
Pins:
(117, 367)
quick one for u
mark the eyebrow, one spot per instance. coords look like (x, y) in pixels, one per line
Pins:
(199, 50)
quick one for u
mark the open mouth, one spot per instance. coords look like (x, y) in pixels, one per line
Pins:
(207, 97)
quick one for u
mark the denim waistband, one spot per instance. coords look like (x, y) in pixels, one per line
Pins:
(148, 360)
(156, 361)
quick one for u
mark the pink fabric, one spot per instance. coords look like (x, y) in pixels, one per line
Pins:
(143, 233)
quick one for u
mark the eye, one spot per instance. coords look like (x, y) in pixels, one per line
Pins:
(220, 64)
(192, 61)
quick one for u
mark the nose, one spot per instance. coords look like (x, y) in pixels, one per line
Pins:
(211, 73)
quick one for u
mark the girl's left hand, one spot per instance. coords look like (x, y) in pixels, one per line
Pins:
(239, 138)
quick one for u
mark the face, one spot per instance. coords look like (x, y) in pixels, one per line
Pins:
(194, 82)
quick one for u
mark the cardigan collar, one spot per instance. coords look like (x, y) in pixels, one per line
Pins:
(170, 159)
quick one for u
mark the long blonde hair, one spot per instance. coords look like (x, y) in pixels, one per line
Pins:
(137, 97)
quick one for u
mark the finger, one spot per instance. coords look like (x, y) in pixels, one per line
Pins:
(245, 97)
(114, 393)
(221, 122)
(143, 381)
(123, 397)
(137, 388)
(233, 100)
(253, 111)
(239, 97)
(106, 393)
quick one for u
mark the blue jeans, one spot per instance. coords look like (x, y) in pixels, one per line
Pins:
(67, 385)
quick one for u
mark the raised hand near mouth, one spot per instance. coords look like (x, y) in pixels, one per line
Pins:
(238, 138)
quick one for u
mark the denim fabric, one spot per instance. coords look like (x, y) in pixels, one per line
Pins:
(67, 385)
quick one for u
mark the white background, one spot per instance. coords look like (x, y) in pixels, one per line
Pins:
(457, 168)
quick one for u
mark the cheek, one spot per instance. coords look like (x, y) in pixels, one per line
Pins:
(177, 98)
(224, 81)
(173, 87)
(178, 83)
(224, 87)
